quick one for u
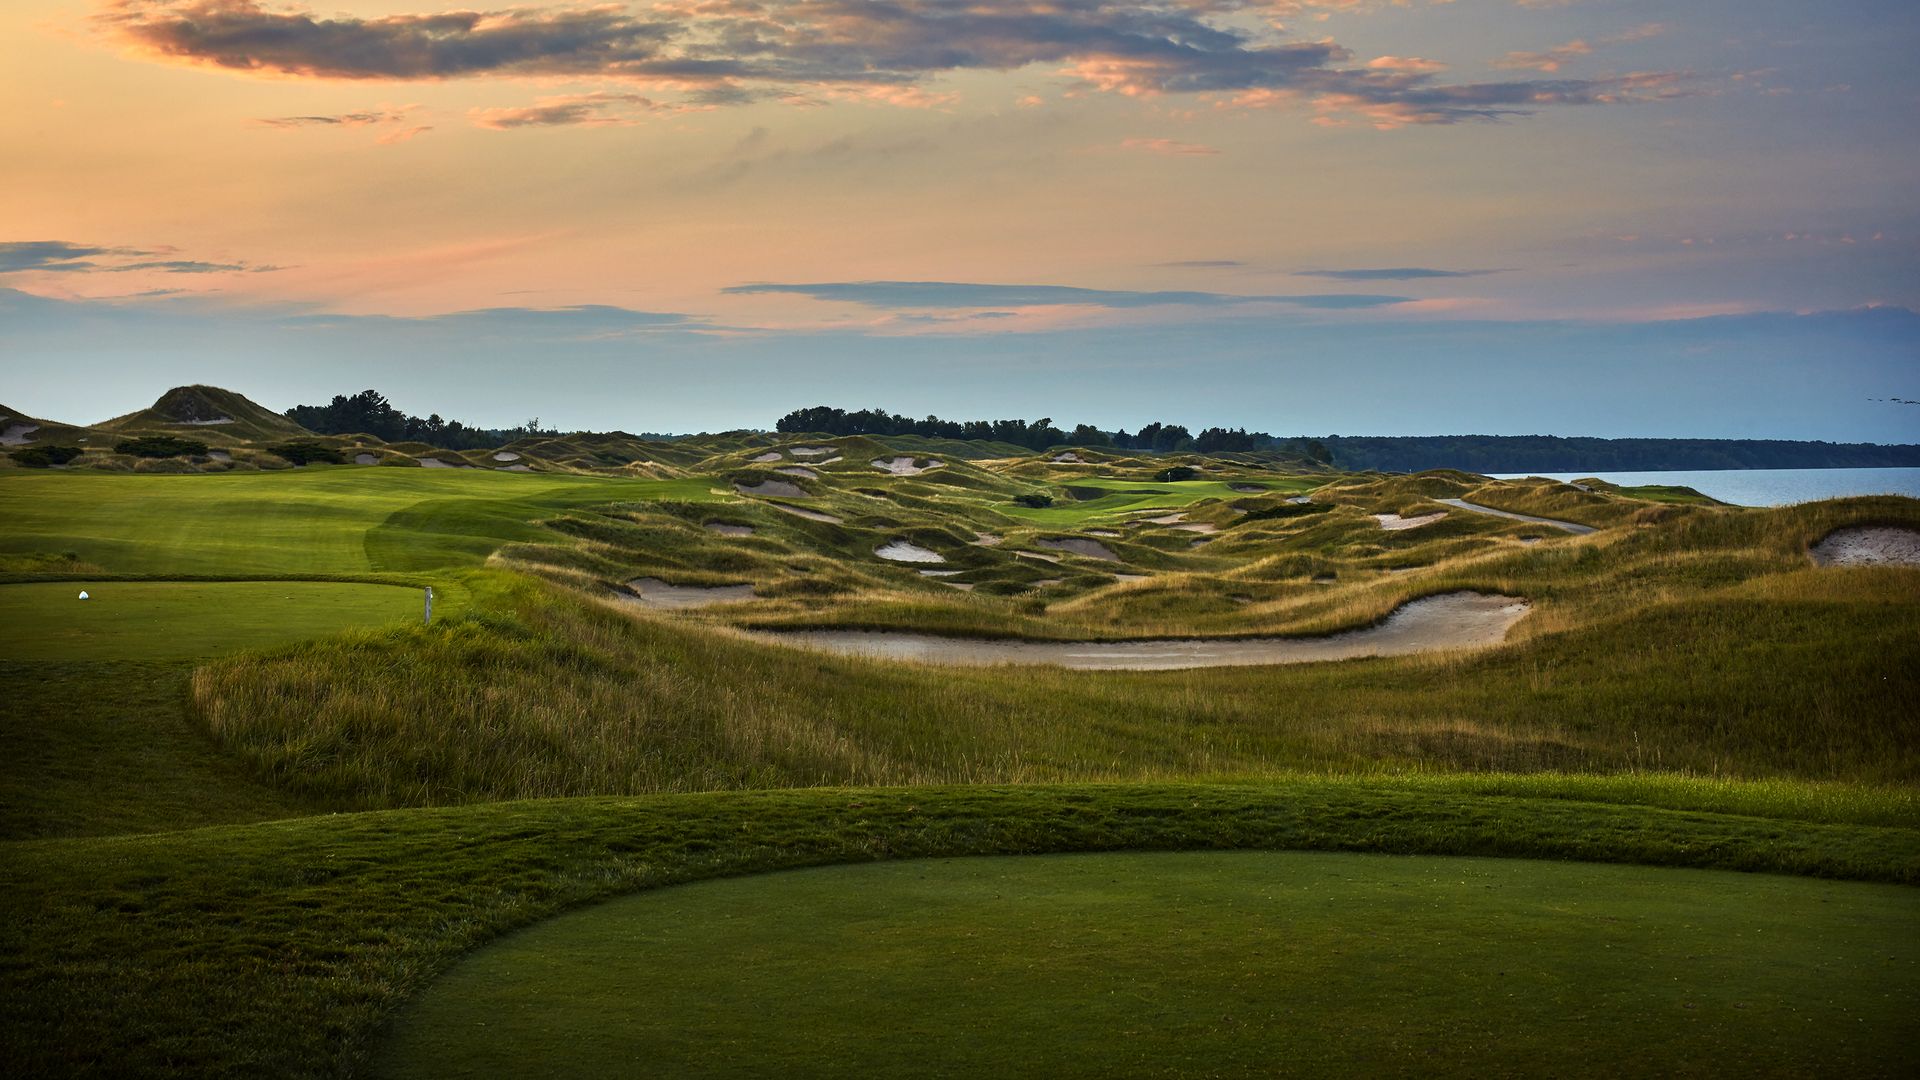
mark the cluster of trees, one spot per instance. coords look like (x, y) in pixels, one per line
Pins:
(1041, 434)
(1554, 454)
(368, 412)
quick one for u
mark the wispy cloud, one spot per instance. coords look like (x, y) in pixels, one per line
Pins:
(955, 294)
(395, 122)
(1202, 264)
(1393, 273)
(1168, 146)
(1552, 59)
(733, 51)
(61, 257)
(569, 109)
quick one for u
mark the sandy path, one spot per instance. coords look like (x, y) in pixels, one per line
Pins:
(1572, 527)
(1868, 545)
(656, 593)
(1461, 620)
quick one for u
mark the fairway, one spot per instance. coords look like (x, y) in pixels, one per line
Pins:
(1217, 964)
(177, 620)
(314, 521)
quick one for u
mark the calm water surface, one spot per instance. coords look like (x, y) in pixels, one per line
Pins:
(1765, 487)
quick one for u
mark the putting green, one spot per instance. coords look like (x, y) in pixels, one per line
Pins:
(176, 620)
(1191, 964)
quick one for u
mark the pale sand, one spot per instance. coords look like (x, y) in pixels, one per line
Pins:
(810, 515)
(204, 423)
(1131, 577)
(1396, 523)
(505, 455)
(1036, 555)
(984, 539)
(1245, 489)
(365, 459)
(773, 487)
(433, 463)
(810, 451)
(1108, 533)
(940, 573)
(513, 468)
(656, 593)
(1460, 620)
(771, 455)
(1092, 549)
(1300, 500)
(906, 466)
(798, 470)
(1199, 527)
(1068, 458)
(903, 551)
(725, 529)
(1569, 526)
(219, 455)
(1164, 519)
(1046, 582)
(1868, 545)
(16, 434)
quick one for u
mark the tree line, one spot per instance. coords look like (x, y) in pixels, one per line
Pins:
(370, 413)
(1040, 434)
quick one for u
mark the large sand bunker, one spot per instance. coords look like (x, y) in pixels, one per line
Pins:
(1868, 545)
(433, 463)
(505, 455)
(1092, 549)
(1396, 523)
(769, 456)
(16, 434)
(904, 551)
(365, 459)
(1460, 620)
(810, 451)
(906, 466)
(1569, 526)
(810, 515)
(773, 487)
(656, 593)
(798, 470)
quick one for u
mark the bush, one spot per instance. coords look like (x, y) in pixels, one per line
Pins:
(306, 452)
(40, 457)
(1037, 502)
(160, 446)
(1177, 473)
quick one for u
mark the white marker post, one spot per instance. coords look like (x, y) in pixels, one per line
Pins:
(428, 619)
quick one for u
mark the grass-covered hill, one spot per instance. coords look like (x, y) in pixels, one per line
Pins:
(252, 808)
(195, 409)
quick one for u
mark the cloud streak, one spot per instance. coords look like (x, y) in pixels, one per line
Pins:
(734, 51)
(62, 257)
(1393, 273)
(908, 295)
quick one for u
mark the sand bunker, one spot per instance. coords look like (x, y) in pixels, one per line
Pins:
(16, 434)
(810, 451)
(513, 468)
(1569, 526)
(1870, 545)
(1300, 500)
(1199, 527)
(219, 455)
(725, 529)
(798, 470)
(656, 593)
(1092, 549)
(1396, 523)
(1037, 555)
(940, 573)
(433, 463)
(1164, 519)
(1246, 489)
(1108, 533)
(810, 515)
(771, 455)
(365, 459)
(1068, 458)
(903, 551)
(206, 423)
(1131, 577)
(505, 455)
(981, 539)
(773, 487)
(906, 466)
(1460, 620)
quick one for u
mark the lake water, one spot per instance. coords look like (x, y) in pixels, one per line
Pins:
(1764, 487)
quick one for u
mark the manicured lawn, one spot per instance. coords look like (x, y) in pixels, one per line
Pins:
(315, 521)
(1192, 964)
(173, 620)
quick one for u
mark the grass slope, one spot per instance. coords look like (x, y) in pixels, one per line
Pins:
(1193, 964)
(280, 949)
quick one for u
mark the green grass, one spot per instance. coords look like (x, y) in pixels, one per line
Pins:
(1192, 964)
(313, 522)
(282, 948)
(172, 620)
(1127, 497)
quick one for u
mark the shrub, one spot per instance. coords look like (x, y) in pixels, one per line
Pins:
(40, 457)
(306, 452)
(160, 446)
(1176, 473)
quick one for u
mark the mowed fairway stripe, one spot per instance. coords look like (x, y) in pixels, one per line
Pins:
(1191, 964)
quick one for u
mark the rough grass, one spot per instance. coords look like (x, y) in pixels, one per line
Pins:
(280, 949)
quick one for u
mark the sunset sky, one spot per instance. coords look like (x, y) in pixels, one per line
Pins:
(1594, 217)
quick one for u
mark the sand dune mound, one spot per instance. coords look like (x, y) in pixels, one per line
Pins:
(1868, 545)
(905, 551)
(906, 466)
(1092, 549)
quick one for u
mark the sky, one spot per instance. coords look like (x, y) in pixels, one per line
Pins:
(1576, 217)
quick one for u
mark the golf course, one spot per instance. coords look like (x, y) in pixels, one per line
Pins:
(828, 755)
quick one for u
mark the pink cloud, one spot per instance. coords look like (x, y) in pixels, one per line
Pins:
(1167, 146)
